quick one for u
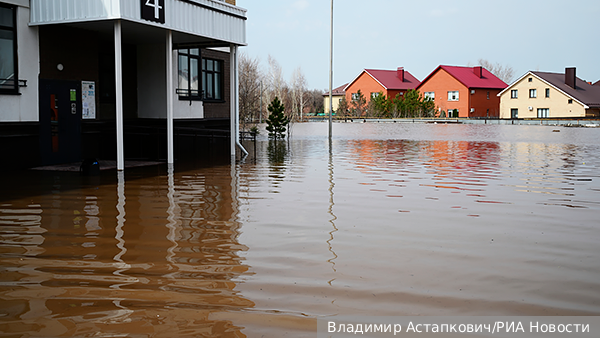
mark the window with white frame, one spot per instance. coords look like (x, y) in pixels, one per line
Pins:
(543, 112)
(355, 97)
(547, 92)
(429, 95)
(375, 95)
(9, 80)
(532, 93)
(453, 95)
(514, 94)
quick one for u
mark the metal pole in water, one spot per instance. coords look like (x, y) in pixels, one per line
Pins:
(331, 73)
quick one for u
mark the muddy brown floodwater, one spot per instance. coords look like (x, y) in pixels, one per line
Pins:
(384, 220)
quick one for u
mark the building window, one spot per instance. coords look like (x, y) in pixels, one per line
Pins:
(543, 112)
(530, 79)
(212, 79)
(547, 92)
(514, 94)
(514, 113)
(429, 95)
(355, 97)
(453, 96)
(488, 95)
(191, 67)
(570, 101)
(189, 62)
(375, 95)
(9, 78)
(532, 93)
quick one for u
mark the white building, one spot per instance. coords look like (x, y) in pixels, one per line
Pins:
(109, 78)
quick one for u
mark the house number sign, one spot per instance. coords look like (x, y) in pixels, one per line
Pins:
(153, 10)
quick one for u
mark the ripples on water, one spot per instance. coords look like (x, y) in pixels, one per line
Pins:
(387, 219)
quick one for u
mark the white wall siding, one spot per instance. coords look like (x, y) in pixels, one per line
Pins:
(60, 11)
(207, 18)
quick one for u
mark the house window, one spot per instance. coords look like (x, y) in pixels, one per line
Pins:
(514, 113)
(375, 95)
(452, 112)
(570, 101)
(547, 92)
(212, 79)
(532, 93)
(543, 112)
(488, 95)
(189, 62)
(9, 78)
(514, 94)
(429, 95)
(453, 96)
(355, 97)
(530, 79)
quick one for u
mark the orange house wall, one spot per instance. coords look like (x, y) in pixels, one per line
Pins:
(367, 85)
(441, 83)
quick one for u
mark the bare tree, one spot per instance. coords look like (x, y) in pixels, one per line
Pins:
(275, 79)
(504, 72)
(249, 87)
(298, 91)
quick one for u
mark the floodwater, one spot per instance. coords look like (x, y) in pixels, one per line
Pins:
(384, 220)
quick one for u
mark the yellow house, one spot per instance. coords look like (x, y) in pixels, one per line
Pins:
(550, 95)
(337, 95)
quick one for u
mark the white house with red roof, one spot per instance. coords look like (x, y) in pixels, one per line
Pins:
(463, 91)
(371, 82)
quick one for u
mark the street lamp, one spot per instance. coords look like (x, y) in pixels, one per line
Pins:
(331, 74)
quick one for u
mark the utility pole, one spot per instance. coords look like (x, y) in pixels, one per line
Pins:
(331, 74)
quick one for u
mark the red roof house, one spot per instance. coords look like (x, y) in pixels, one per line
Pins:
(464, 91)
(373, 81)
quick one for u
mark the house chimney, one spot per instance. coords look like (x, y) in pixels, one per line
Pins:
(570, 77)
(401, 73)
(478, 71)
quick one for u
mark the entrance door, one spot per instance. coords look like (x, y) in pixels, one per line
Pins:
(60, 121)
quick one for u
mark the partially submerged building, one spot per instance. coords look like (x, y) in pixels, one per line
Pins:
(372, 82)
(550, 95)
(113, 79)
(463, 91)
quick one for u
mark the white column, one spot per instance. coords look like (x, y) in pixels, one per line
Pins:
(119, 96)
(233, 98)
(170, 154)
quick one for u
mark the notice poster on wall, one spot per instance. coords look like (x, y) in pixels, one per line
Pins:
(88, 100)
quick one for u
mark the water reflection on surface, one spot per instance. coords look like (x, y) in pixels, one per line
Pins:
(149, 256)
(382, 220)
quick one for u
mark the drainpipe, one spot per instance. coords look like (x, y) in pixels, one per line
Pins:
(235, 103)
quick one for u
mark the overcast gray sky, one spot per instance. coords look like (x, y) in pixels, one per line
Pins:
(419, 35)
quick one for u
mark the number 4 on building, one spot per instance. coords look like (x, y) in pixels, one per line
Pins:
(157, 7)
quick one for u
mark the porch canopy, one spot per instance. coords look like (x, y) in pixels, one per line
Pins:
(176, 23)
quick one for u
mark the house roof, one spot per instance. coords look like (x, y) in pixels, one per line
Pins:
(583, 92)
(597, 83)
(467, 77)
(389, 80)
(339, 91)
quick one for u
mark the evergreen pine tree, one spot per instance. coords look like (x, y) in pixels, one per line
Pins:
(277, 121)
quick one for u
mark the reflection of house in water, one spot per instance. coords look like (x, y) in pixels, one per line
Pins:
(463, 163)
(157, 256)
